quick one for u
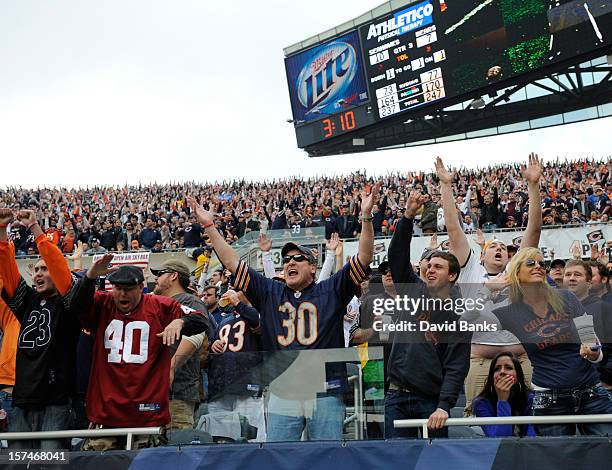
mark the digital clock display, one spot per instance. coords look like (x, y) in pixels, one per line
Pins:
(339, 123)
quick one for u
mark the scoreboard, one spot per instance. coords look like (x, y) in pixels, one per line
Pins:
(433, 53)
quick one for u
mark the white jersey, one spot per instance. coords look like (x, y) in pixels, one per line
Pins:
(471, 279)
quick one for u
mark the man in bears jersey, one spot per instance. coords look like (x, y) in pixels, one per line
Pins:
(234, 373)
(130, 376)
(301, 314)
(46, 347)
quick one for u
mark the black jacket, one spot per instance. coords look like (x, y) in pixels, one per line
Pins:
(602, 322)
(432, 366)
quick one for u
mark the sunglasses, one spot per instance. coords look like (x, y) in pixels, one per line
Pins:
(530, 263)
(164, 271)
(297, 258)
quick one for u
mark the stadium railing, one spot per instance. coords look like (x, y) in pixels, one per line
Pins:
(84, 433)
(560, 419)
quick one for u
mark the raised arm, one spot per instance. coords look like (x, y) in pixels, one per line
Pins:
(265, 244)
(50, 253)
(399, 248)
(532, 174)
(226, 253)
(459, 244)
(366, 240)
(8, 267)
(330, 257)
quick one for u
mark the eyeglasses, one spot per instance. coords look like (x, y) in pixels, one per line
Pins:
(164, 271)
(297, 258)
(530, 263)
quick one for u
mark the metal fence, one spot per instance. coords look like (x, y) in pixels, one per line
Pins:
(561, 419)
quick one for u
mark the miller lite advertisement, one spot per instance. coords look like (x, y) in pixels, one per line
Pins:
(326, 79)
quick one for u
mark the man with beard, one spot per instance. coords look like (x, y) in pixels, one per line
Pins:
(172, 280)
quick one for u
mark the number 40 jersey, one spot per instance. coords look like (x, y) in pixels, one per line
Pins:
(130, 378)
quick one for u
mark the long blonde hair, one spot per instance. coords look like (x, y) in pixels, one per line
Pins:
(552, 295)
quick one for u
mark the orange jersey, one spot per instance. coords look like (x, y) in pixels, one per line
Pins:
(10, 329)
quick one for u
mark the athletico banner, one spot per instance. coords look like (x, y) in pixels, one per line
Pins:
(326, 78)
(561, 241)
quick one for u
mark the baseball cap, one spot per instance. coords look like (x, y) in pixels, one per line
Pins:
(135, 244)
(302, 249)
(126, 275)
(94, 240)
(173, 266)
(557, 262)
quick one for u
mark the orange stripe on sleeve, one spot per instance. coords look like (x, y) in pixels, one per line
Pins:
(10, 328)
(8, 267)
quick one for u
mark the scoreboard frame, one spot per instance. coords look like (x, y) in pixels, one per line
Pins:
(363, 119)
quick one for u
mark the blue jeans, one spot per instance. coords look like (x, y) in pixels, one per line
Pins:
(46, 418)
(409, 405)
(587, 400)
(6, 404)
(322, 417)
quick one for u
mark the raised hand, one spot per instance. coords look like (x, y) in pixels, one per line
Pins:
(265, 244)
(77, 253)
(6, 216)
(368, 199)
(533, 172)
(204, 217)
(444, 175)
(480, 239)
(414, 203)
(101, 268)
(333, 242)
(27, 217)
(433, 242)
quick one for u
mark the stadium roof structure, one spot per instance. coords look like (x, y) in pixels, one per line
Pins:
(576, 89)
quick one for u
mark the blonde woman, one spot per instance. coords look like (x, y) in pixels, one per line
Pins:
(565, 379)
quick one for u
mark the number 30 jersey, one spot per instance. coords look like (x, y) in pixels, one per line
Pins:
(310, 319)
(130, 378)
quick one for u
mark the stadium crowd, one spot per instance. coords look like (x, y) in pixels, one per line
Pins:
(157, 217)
(73, 350)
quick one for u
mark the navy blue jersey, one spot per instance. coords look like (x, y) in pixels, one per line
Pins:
(310, 319)
(552, 343)
(236, 370)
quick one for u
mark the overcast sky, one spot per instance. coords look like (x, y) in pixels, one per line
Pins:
(113, 91)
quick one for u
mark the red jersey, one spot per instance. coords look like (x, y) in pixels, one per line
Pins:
(130, 377)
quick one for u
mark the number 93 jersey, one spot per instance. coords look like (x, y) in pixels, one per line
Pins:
(308, 319)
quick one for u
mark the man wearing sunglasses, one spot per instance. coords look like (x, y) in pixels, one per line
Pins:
(302, 314)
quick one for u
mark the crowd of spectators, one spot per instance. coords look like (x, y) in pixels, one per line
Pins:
(157, 218)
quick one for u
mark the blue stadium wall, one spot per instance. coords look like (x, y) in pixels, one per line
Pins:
(493, 454)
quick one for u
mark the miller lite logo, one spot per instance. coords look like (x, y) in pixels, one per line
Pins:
(329, 74)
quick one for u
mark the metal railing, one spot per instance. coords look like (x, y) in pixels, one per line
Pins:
(562, 419)
(104, 432)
